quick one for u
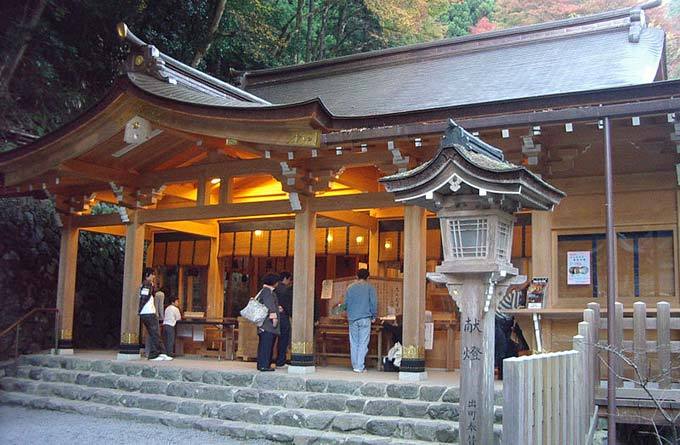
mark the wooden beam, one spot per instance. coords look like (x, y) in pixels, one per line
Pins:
(361, 178)
(353, 202)
(354, 159)
(85, 221)
(193, 227)
(505, 120)
(353, 218)
(107, 230)
(234, 167)
(215, 211)
(100, 172)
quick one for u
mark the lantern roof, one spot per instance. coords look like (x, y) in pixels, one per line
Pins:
(467, 166)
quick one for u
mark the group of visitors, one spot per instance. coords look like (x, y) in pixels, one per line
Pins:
(152, 311)
(277, 295)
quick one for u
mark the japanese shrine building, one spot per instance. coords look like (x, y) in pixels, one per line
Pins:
(216, 182)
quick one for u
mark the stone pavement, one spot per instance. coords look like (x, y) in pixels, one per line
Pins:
(22, 426)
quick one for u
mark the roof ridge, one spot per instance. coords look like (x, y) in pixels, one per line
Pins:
(607, 17)
(158, 64)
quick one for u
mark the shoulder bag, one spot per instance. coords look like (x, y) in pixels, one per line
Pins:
(255, 311)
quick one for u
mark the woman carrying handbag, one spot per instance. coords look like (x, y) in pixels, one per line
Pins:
(269, 329)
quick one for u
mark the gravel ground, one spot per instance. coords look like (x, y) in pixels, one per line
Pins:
(23, 426)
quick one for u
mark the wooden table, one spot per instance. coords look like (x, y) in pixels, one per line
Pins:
(198, 327)
(340, 328)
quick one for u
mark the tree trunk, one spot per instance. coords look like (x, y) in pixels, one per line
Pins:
(212, 32)
(310, 17)
(8, 69)
(321, 38)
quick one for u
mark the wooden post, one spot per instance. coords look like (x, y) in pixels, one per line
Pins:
(215, 286)
(203, 192)
(132, 279)
(663, 342)
(66, 285)
(476, 364)
(302, 348)
(578, 387)
(541, 251)
(617, 342)
(588, 386)
(514, 420)
(226, 190)
(593, 327)
(413, 356)
(640, 337)
(373, 250)
(595, 332)
(180, 288)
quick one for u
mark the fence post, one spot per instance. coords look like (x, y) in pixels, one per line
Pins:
(588, 385)
(663, 342)
(595, 332)
(593, 328)
(513, 420)
(617, 343)
(640, 337)
(580, 390)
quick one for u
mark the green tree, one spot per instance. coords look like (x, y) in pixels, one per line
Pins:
(463, 16)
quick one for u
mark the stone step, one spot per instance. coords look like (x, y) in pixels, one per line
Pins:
(385, 426)
(289, 399)
(234, 429)
(277, 381)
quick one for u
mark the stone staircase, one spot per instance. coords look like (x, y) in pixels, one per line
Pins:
(275, 407)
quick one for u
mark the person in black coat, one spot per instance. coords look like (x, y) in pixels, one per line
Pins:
(270, 328)
(284, 293)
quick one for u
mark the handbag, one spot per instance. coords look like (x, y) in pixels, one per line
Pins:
(255, 311)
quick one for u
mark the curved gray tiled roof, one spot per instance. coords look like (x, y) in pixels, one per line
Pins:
(184, 93)
(560, 64)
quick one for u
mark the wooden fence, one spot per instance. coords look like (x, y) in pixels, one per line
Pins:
(551, 398)
(652, 357)
(544, 398)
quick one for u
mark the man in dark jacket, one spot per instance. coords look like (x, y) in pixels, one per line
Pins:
(270, 327)
(284, 293)
(147, 313)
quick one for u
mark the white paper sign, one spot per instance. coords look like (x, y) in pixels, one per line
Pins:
(198, 333)
(429, 335)
(578, 267)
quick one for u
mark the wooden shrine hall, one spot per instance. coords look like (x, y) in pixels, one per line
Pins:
(214, 184)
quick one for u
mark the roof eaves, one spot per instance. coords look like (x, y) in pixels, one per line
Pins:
(189, 75)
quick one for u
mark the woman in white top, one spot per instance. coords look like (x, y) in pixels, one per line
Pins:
(172, 315)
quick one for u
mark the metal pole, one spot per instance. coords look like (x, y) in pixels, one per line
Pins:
(611, 284)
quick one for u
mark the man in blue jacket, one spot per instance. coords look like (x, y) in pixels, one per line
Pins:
(362, 309)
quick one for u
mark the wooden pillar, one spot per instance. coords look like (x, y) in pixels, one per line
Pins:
(203, 192)
(541, 248)
(302, 348)
(180, 288)
(413, 356)
(476, 361)
(215, 283)
(132, 280)
(226, 191)
(66, 285)
(541, 266)
(373, 250)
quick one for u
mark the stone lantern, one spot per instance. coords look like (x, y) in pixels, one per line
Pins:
(474, 192)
